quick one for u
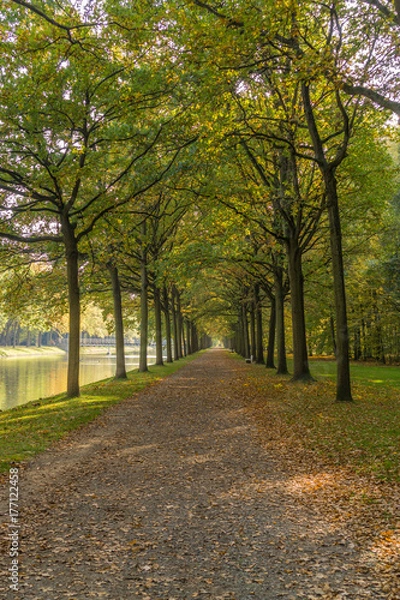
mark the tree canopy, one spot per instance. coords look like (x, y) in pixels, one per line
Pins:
(224, 161)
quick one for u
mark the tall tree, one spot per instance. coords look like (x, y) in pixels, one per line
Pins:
(73, 132)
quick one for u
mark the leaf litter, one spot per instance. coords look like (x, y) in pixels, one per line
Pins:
(185, 492)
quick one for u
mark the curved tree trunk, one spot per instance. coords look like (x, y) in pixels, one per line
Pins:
(120, 369)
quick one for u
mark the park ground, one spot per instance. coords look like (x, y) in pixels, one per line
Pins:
(217, 482)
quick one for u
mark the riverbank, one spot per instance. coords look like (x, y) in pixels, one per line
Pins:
(34, 352)
(23, 352)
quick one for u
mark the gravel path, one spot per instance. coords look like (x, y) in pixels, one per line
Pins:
(169, 496)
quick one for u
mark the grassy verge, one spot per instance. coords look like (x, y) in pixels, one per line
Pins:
(364, 373)
(29, 429)
(363, 435)
(23, 352)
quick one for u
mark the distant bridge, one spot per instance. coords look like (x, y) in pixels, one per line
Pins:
(93, 341)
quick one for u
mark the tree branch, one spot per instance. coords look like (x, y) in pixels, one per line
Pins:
(50, 20)
(376, 97)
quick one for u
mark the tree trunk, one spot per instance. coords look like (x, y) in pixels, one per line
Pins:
(178, 323)
(252, 332)
(158, 322)
(194, 338)
(39, 338)
(301, 370)
(71, 252)
(280, 322)
(120, 370)
(378, 345)
(144, 306)
(184, 344)
(16, 330)
(343, 383)
(357, 343)
(270, 362)
(188, 336)
(175, 327)
(333, 333)
(246, 338)
(167, 325)
(8, 333)
(259, 326)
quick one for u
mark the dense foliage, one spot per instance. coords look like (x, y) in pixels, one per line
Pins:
(232, 166)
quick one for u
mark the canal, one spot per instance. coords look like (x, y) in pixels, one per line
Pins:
(34, 377)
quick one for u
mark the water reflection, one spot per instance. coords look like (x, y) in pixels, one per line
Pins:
(26, 379)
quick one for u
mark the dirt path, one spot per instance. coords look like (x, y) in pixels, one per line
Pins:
(171, 496)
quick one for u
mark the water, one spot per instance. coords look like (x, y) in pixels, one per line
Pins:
(26, 379)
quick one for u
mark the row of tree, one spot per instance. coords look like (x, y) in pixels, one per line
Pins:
(194, 154)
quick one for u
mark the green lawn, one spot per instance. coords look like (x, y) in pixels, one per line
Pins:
(380, 375)
(363, 435)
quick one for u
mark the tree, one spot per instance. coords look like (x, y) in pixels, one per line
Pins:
(73, 133)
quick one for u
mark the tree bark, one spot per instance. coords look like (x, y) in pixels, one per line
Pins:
(246, 338)
(259, 326)
(252, 331)
(178, 322)
(167, 325)
(15, 334)
(280, 322)
(175, 327)
(188, 336)
(333, 333)
(184, 343)
(301, 370)
(144, 305)
(71, 255)
(158, 322)
(343, 383)
(357, 343)
(120, 369)
(194, 338)
(270, 361)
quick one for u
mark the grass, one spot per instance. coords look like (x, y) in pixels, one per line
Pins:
(34, 352)
(364, 373)
(31, 428)
(363, 435)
